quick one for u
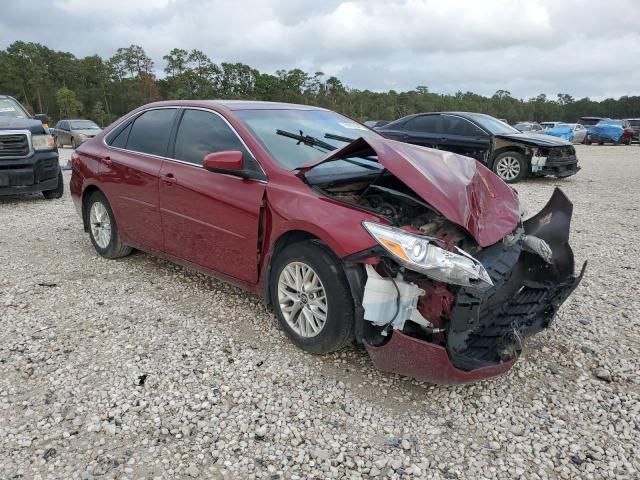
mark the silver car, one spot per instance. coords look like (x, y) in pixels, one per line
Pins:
(74, 132)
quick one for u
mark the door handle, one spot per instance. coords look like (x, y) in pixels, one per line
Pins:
(107, 161)
(168, 178)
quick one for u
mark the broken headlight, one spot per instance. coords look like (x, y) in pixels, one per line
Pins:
(421, 254)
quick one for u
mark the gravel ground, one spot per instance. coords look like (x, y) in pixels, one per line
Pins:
(141, 369)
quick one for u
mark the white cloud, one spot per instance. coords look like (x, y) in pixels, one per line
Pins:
(582, 47)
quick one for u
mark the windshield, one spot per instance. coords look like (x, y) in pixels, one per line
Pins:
(635, 123)
(524, 127)
(83, 125)
(11, 108)
(493, 125)
(330, 128)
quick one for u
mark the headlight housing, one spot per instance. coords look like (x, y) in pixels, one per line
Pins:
(42, 142)
(420, 254)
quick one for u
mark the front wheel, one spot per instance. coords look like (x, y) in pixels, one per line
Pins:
(311, 297)
(73, 143)
(103, 229)
(510, 167)
(56, 192)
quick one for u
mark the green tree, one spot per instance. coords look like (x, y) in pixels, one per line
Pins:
(68, 104)
(98, 114)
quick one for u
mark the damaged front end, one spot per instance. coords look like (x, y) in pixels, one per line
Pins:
(446, 299)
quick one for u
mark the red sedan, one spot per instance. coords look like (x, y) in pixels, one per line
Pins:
(420, 255)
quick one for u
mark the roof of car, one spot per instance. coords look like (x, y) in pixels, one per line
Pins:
(238, 104)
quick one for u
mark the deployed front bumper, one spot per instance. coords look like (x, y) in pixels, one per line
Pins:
(555, 165)
(487, 328)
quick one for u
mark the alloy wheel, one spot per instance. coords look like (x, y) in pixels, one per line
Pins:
(100, 224)
(302, 299)
(508, 168)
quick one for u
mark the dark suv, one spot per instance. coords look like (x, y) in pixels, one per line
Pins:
(28, 156)
(511, 154)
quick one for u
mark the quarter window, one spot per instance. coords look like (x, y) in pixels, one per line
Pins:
(150, 132)
(120, 140)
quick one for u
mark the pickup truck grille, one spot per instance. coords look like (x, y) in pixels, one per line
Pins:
(14, 145)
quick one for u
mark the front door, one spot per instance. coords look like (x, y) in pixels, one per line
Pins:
(210, 219)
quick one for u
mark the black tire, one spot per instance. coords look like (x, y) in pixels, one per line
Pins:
(114, 248)
(499, 166)
(56, 192)
(337, 331)
(57, 142)
(73, 143)
(587, 140)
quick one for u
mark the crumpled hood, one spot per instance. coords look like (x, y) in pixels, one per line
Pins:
(460, 188)
(12, 123)
(538, 139)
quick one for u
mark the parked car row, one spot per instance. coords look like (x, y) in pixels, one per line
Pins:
(588, 130)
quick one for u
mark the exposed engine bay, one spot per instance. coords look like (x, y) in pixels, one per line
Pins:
(389, 197)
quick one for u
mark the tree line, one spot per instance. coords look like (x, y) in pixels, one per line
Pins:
(62, 85)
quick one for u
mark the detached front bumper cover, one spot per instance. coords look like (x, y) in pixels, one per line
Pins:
(487, 328)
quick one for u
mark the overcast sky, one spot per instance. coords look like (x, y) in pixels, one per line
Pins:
(581, 47)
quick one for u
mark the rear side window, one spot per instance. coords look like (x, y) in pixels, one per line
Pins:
(202, 132)
(425, 124)
(150, 132)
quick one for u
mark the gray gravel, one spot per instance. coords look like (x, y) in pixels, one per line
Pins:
(140, 369)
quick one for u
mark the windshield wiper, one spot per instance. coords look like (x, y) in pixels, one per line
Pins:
(306, 139)
(340, 138)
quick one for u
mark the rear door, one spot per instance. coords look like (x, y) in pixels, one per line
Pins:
(425, 130)
(211, 219)
(129, 175)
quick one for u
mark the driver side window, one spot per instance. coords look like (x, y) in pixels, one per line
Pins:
(201, 132)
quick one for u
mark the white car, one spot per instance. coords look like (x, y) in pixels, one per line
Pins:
(574, 132)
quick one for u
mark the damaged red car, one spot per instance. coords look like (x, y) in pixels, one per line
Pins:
(418, 254)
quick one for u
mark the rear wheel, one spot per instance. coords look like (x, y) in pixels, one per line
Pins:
(510, 167)
(587, 140)
(311, 297)
(56, 192)
(103, 229)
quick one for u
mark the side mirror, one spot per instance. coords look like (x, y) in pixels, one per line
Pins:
(44, 118)
(229, 162)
